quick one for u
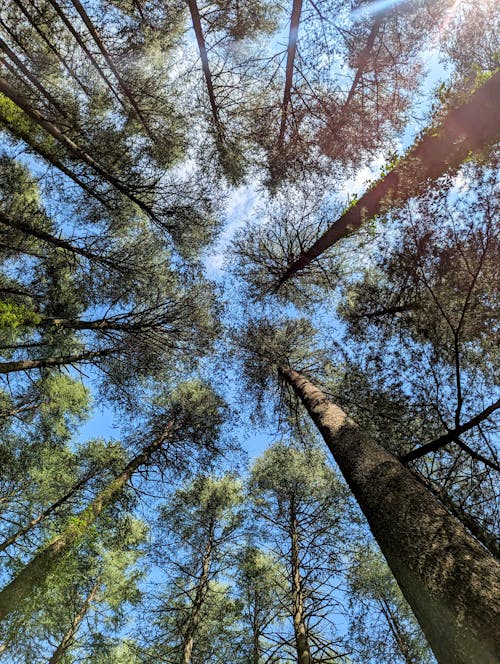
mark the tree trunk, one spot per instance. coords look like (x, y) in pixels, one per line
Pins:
(74, 149)
(449, 580)
(299, 624)
(202, 48)
(19, 131)
(470, 127)
(68, 638)
(35, 572)
(398, 632)
(293, 35)
(43, 363)
(100, 44)
(201, 591)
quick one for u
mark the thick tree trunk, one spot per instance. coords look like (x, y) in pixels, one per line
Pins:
(470, 127)
(35, 572)
(299, 623)
(449, 580)
(68, 638)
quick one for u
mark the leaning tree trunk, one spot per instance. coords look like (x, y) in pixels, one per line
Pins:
(299, 623)
(36, 571)
(451, 583)
(470, 127)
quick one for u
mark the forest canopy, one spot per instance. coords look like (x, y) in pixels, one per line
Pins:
(249, 332)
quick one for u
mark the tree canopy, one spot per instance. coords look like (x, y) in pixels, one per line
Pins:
(249, 340)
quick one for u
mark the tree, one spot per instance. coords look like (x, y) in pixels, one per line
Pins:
(411, 527)
(202, 519)
(257, 580)
(178, 423)
(298, 501)
(382, 625)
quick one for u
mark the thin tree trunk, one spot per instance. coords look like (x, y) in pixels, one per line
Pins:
(199, 599)
(125, 89)
(398, 632)
(35, 572)
(451, 583)
(34, 24)
(24, 70)
(202, 48)
(20, 133)
(293, 35)
(299, 624)
(46, 512)
(69, 25)
(68, 638)
(43, 363)
(470, 127)
(71, 146)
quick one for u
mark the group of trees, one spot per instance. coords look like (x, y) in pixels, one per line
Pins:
(371, 324)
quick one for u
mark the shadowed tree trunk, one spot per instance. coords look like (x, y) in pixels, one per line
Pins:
(35, 572)
(470, 127)
(451, 583)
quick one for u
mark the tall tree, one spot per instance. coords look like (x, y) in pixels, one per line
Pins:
(299, 502)
(447, 593)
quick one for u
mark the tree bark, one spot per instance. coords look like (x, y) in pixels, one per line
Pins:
(44, 363)
(299, 623)
(201, 591)
(35, 572)
(470, 127)
(449, 580)
(68, 638)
